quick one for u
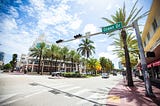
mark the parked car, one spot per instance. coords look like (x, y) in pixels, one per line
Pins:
(105, 75)
(56, 74)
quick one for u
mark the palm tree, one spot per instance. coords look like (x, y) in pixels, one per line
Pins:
(126, 20)
(54, 52)
(72, 53)
(77, 60)
(64, 53)
(86, 48)
(38, 53)
(132, 47)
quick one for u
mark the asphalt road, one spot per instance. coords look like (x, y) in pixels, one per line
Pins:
(35, 90)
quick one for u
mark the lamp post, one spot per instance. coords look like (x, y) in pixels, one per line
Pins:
(146, 76)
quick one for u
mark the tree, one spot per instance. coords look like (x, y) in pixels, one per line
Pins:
(14, 61)
(64, 53)
(37, 52)
(120, 16)
(106, 64)
(7, 66)
(132, 47)
(77, 60)
(72, 54)
(103, 62)
(91, 65)
(86, 48)
(55, 54)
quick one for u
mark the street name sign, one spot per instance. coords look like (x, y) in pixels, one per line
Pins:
(111, 28)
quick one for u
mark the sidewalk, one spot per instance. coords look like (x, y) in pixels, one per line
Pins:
(122, 95)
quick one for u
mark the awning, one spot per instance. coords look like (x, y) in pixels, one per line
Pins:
(155, 61)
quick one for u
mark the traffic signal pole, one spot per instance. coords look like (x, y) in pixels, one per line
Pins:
(148, 87)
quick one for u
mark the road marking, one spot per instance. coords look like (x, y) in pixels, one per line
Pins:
(81, 91)
(113, 98)
(21, 98)
(69, 89)
(5, 97)
(88, 98)
(62, 86)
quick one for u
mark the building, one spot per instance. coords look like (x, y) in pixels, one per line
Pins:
(151, 39)
(47, 65)
(1, 58)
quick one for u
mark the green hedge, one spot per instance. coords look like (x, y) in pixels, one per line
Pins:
(72, 74)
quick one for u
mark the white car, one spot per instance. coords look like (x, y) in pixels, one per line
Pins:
(105, 75)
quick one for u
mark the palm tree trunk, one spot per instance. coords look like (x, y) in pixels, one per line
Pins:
(127, 58)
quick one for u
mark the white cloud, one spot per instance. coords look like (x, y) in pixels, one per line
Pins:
(38, 4)
(8, 24)
(90, 28)
(107, 55)
(75, 24)
(110, 48)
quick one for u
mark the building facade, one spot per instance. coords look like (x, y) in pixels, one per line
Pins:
(1, 58)
(151, 39)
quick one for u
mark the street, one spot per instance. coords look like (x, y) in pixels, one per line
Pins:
(35, 90)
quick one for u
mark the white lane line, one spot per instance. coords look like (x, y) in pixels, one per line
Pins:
(62, 86)
(73, 88)
(91, 97)
(5, 97)
(21, 98)
(81, 92)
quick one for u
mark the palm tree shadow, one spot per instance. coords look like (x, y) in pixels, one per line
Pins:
(135, 94)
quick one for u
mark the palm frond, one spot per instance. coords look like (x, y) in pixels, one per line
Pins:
(108, 20)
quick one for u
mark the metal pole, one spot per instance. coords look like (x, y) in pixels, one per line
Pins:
(146, 76)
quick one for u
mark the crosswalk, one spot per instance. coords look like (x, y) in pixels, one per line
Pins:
(83, 95)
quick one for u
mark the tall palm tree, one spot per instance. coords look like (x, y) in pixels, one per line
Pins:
(132, 47)
(64, 53)
(86, 48)
(77, 60)
(54, 55)
(37, 52)
(72, 53)
(126, 20)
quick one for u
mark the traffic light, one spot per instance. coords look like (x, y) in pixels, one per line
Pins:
(59, 41)
(77, 36)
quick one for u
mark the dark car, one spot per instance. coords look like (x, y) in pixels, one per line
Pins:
(105, 75)
(56, 74)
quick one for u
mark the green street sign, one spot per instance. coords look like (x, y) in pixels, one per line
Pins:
(111, 28)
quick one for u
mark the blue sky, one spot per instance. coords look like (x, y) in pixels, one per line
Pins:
(22, 21)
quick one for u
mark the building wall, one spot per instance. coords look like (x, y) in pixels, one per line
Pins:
(153, 35)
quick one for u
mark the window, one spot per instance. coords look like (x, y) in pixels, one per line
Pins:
(154, 24)
(148, 36)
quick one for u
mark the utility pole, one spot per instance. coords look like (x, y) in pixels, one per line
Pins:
(146, 76)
